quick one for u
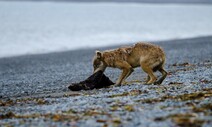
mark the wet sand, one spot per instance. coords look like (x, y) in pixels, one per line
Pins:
(34, 90)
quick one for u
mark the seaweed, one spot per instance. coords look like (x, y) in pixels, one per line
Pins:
(183, 97)
(12, 102)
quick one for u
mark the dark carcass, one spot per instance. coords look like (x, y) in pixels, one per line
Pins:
(96, 80)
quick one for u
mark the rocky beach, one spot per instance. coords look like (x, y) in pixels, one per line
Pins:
(33, 90)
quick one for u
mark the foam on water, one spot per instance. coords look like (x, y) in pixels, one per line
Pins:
(41, 27)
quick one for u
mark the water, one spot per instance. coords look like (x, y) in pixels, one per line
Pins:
(42, 27)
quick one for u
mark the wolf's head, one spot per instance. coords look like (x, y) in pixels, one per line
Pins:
(98, 63)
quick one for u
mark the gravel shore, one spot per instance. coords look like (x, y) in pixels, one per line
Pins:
(34, 90)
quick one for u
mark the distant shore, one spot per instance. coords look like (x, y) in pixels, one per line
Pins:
(45, 73)
(131, 1)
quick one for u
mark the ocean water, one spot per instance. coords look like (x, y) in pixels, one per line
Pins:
(42, 27)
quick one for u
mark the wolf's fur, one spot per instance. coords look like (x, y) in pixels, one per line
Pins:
(149, 57)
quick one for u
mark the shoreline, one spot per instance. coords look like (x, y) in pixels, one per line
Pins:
(110, 46)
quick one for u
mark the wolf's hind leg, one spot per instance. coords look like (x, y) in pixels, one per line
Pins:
(150, 73)
(164, 74)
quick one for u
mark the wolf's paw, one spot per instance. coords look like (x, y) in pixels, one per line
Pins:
(152, 81)
(149, 83)
(117, 85)
(125, 83)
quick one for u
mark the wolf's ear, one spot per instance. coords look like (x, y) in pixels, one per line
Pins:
(98, 54)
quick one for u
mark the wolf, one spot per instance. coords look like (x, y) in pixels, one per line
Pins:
(149, 57)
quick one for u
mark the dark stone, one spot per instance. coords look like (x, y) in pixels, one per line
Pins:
(97, 80)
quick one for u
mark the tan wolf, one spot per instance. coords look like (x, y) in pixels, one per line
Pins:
(149, 57)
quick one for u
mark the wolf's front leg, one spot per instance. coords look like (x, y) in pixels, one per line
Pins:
(128, 74)
(126, 71)
(122, 76)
